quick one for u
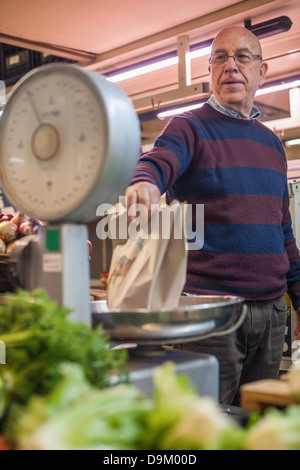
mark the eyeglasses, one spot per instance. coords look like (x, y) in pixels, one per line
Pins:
(242, 58)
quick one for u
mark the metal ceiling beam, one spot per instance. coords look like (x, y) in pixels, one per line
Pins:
(54, 49)
(179, 30)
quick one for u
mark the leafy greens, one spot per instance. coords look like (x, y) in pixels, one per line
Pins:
(38, 337)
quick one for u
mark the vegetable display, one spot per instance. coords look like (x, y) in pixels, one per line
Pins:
(77, 416)
(56, 394)
(13, 227)
(276, 430)
(38, 337)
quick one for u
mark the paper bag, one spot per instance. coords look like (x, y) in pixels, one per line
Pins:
(149, 271)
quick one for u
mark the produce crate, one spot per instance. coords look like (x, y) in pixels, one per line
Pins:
(257, 396)
(17, 61)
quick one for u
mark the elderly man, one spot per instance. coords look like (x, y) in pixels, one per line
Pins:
(221, 156)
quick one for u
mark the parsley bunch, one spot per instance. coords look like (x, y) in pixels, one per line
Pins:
(38, 337)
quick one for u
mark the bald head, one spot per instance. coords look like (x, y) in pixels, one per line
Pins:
(234, 31)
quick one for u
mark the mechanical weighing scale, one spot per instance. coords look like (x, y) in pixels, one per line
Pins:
(69, 141)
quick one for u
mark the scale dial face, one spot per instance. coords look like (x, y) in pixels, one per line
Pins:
(52, 142)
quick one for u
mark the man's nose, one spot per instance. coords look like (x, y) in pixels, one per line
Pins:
(231, 64)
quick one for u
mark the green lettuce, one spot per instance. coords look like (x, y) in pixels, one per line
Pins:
(77, 416)
(276, 430)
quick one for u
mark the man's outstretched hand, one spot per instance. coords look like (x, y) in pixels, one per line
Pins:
(144, 193)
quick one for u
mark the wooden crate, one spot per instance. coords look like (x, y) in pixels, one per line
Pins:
(257, 396)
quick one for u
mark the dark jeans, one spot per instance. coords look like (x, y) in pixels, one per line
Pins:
(253, 352)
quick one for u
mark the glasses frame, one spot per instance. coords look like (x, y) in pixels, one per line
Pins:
(254, 57)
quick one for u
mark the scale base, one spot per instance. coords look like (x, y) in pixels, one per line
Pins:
(57, 260)
(202, 369)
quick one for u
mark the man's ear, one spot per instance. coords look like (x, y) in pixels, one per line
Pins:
(263, 72)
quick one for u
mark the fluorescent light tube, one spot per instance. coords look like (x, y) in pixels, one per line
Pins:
(119, 77)
(274, 88)
(182, 109)
(292, 142)
(199, 52)
(142, 70)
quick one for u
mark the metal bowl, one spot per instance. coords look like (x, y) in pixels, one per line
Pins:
(197, 317)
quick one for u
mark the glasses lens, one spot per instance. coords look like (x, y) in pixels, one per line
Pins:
(243, 57)
(219, 59)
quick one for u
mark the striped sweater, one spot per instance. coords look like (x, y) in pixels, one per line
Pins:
(237, 169)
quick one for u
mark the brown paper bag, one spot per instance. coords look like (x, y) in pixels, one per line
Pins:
(150, 271)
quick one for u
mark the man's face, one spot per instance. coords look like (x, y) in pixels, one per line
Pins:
(234, 85)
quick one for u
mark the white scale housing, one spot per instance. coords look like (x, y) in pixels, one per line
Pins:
(69, 141)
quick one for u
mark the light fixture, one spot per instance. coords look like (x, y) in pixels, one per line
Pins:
(279, 85)
(158, 63)
(181, 109)
(143, 69)
(269, 27)
(292, 142)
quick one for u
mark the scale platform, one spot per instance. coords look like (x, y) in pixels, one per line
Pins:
(152, 337)
(202, 369)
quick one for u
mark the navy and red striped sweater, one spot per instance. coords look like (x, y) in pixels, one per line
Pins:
(237, 169)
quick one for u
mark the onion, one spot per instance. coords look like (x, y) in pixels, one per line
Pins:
(28, 227)
(6, 217)
(19, 218)
(8, 231)
(10, 246)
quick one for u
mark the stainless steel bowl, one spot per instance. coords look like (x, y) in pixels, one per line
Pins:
(197, 317)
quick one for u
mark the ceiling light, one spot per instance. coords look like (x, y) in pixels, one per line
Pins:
(136, 72)
(291, 143)
(157, 63)
(166, 60)
(181, 109)
(199, 52)
(278, 87)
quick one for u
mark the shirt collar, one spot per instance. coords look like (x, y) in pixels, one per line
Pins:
(255, 112)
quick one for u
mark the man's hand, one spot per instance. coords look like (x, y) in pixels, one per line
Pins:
(143, 193)
(297, 329)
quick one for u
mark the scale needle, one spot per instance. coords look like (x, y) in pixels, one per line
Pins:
(29, 94)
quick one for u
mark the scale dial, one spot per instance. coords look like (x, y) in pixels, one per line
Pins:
(69, 141)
